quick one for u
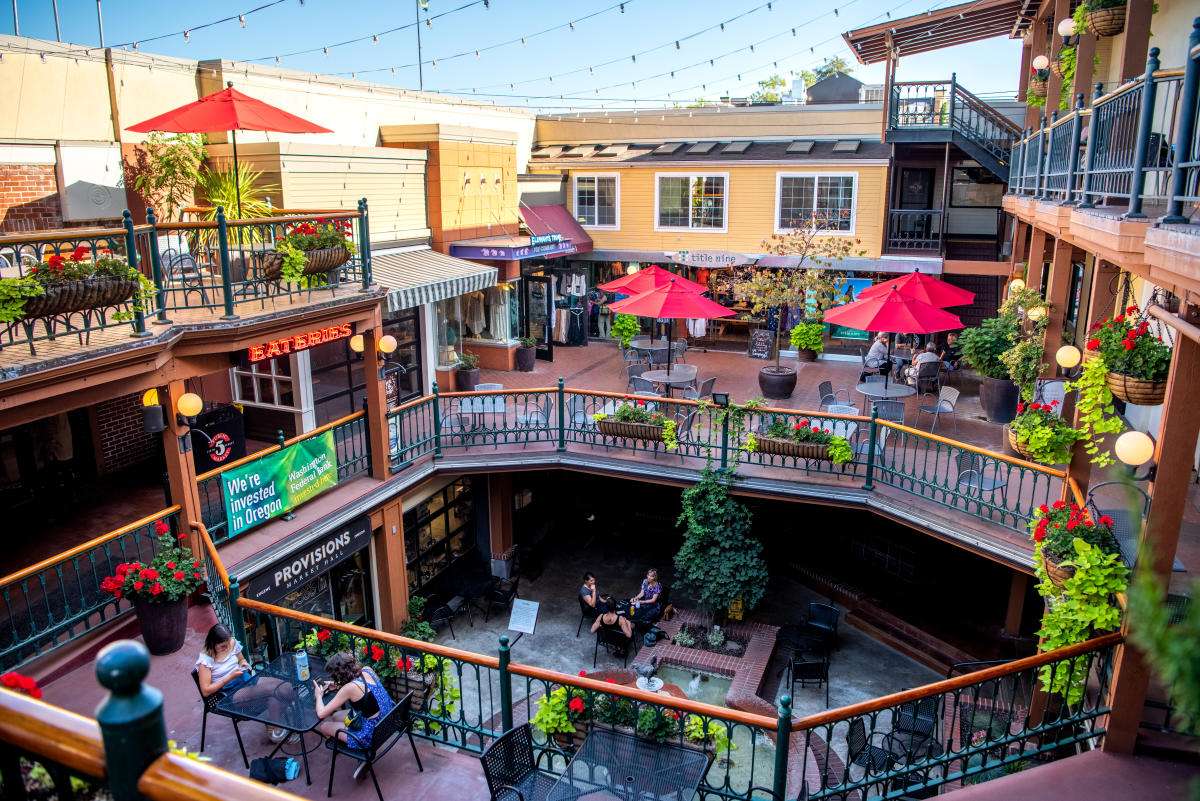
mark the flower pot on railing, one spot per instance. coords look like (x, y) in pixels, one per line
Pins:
(1136, 390)
(786, 447)
(419, 684)
(163, 625)
(643, 431)
(1057, 573)
(319, 261)
(1106, 21)
(78, 295)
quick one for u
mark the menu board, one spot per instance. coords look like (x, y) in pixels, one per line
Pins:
(762, 342)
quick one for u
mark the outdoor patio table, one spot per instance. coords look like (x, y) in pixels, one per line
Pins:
(296, 711)
(480, 406)
(889, 391)
(679, 375)
(612, 764)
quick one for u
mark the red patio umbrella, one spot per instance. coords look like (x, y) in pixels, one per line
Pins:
(672, 301)
(648, 278)
(919, 286)
(228, 110)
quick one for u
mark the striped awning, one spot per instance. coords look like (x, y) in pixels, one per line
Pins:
(423, 275)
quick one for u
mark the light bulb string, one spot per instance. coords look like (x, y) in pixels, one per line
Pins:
(186, 32)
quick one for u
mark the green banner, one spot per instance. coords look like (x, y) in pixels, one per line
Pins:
(274, 485)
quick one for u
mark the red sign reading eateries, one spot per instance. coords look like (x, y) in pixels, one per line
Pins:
(297, 342)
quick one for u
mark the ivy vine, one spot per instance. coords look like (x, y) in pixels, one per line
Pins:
(1097, 415)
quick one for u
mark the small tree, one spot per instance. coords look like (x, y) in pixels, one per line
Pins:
(719, 561)
(832, 66)
(769, 90)
(167, 170)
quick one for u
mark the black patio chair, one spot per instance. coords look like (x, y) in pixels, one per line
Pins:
(975, 475)
(929, 377)
(511, 769)
(863, 752)
(918, 717)
(823, 621)
(809, 673)
(828, 395)
(615, 642)
(396, 723)
(210, 707)
(586, 613)
(442, 616)
(501, 595)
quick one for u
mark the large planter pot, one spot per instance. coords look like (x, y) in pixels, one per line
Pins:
(317, 262)
(74, 296)
(525, 359)
(644, 431)
(1135, 390)
(466, 380)
(1106, 21)
(1058, 573)
(998, 397)
(419, 684)
(164, 625)
(777, 383)
(806, 355)
(787, 447)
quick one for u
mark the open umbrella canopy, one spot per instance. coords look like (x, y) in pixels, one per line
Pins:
(894, 313)
(649, 278)
(227, 110)
(922, 287)
(672, 301)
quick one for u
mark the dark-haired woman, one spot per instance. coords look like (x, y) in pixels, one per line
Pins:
(358, 688)
(223, 668)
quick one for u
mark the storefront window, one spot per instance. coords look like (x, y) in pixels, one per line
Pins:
(488, 314)
(338, 382)
(266, 383)
(438, 533)
(402, 371)
(448, 320)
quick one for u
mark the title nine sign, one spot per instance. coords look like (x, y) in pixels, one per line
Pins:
(298, 342)
(289, 572)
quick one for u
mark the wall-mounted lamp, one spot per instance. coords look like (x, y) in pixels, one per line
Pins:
(1136, 448)
(357, 343)
(1068, 357)
(1066, 29)
(720, 399)
(1016, 285)
(187, 409)
(153, 421)
(1036, 313)
(1041, 62)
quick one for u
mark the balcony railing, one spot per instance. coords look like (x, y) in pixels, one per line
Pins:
(917, 230)
(1138, 144)
(947, 105)
(199, 270)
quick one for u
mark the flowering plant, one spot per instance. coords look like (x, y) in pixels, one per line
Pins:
(302, 237)
(1055, 528)
(61, 268)
(173, 573)
(1043, 434)
(21, 683)
(637, 411)
(806, 430)
(1127, 347)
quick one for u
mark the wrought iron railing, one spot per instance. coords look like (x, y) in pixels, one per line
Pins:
(353, 458)
(217, 267)
(946, 104)
(58, 599)
(914, 230)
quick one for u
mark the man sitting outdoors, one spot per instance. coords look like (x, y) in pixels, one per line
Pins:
(930, 354)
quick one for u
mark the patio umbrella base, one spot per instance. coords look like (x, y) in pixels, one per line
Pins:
(777, 383)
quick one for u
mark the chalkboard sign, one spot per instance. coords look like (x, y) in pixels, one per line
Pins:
(762, 342)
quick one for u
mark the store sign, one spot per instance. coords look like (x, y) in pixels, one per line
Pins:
(762, 343)
(545, 239)
(298, 342)
(290, 572)
(275, 484)
(505, 253)
(711, 259)
(218, 438)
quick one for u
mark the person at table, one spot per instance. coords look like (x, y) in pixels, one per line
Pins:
(609, 620)
(588, 593)
(877, 356)
(645, 603)
(223, 669)
(356, 688)
(929, 354)
(951, 355)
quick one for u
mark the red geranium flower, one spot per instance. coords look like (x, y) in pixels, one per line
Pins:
(80, 253)
(1059, 504)
(583, 674)
(55, 262)
(171, 565)
(156, 588)
(576, 705)
(323, 635)
(1020, 407)
(197, 575)
(161, 527)
(179, 575)
(1093, 344)
(1105, 520)
(137, 585)
(377, 653)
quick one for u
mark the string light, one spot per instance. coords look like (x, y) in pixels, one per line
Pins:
(187, 36)
(242, 20)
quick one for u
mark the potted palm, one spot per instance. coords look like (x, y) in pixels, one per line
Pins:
(466, 376)
(526, 354)
(159, 590)
(1137, 361)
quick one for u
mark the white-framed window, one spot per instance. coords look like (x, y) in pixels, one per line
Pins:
(828, 197)
(268, 384)
(598, 200)
(691, 202)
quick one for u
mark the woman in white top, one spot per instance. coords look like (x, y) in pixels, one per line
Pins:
(223, 669)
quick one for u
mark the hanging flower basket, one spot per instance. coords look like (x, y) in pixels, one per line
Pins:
(1056, 67)
(1018, 447)
(1106, 21)
(317, 262)
(1136, 390)
(1038, 87)
(1057, 573)
(78, 295)
(800, 450)
(419, 684)
(643, 431)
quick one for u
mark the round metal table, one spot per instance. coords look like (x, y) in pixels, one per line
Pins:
(890, 391)
(679, 375)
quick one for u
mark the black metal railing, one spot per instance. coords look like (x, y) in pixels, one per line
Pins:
(914, 229)
(946, 104)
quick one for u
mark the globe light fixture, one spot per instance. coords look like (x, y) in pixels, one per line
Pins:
(1016, 285)
(189, 406)
(1041, 62)
(1134, 448)
(1066, 27)
(357, 343)
(1036, 313)
(387, 344)
(1068, 357)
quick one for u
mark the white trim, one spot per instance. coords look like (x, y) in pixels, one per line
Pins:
(853, 176)
(724, 229)
(617, 200)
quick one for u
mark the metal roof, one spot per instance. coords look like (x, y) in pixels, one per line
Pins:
(945, 27)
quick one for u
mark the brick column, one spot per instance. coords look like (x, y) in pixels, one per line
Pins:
(181, 470)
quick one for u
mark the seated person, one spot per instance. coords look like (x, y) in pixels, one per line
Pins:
(929, 354)
(223, 669)
(611, 621)
(360, 689)
(951, 355)
(588, 593)
(877, 356)
(646, 608)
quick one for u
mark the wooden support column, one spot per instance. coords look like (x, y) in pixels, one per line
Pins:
(181, 469)
(1037, 258)
(1102, 295)
(500, 508)
(377, 428)
(1054, 87)
(1173, 453)
(1017, 591)
(1023, 81)
(1085, 55)
(1136, 41)
(1038, 46)
(1020, 247)
(889, 79)
(1056, 297)
(391, 573)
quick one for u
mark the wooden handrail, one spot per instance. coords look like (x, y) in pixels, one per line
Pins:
(956, 683)
(272, 448)
(341, 215)
(410, 404)
(278, 211)
(47, 731)
(86, 546)
(1050, 471)
(60, 234)
(202, 533)
(172, 777)
(1076, 492)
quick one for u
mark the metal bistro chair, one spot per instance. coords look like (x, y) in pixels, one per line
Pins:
(586, 614)
(863, 752)
(396, 723)
(615, 642)
(443, 616)
(890, 410)
(1051, 390)
(1127, 519)
(974, 475)
(210, 708)
(809, 673)
(869, 370)
(511, 769)
(535, 415)
(875, 378)
(641, 386)
(679, 349)
(829, 396)
(577, 415)
(946, 403)
(823, 622)
(929, 377)
(684, 421)
(705, 390)
(501, 595)
(633, 371)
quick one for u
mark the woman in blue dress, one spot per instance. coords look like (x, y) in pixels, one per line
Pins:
(646, 608)
(357, 688)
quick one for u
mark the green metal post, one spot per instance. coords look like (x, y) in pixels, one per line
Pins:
(160, 292)
(873, 434)
(1073, 151)
(235, 613)
(139, 316)
(783, 733)
(1141, 151)
(226, 281)
(1186, 136)
(364, 244)
(562, 415)
(725, 438)
(130, 717)
(1090, 160)
(437, 424)
(506, 709)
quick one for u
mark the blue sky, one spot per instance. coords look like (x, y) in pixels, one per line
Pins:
(566, 55)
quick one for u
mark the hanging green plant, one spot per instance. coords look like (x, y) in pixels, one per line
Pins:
(13, 294)
(1024, 363)
(1097, 415)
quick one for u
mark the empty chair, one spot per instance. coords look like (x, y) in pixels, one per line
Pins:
(442, 616)
(828, 395)
(705, 390)
(395, 724)
(863, 751)
(823, 621)
(641, 386)
(501, 595)
(946, 403)
(917, 717)
(634, 371)
(658, 357)
(577, 415)
(1128, 512)
(809, 673)
(678, 349)
(929, 377)
(1051, 390)
(841, 408)
(974, 474)
(535, 416)
(511, 768)
(890, 410)
(485, 387)
(684, 421)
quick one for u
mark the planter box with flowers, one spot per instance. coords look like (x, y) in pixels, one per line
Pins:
(1054, 529)
(633, 420)
(802, 440)
(159, 590)
(310, 250)
(1040, 434)
(1137, 361)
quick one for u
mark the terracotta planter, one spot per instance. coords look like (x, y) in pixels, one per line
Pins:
(466, 380)
(806, 355)
(1135, 390)
(787, 447)
(1106, 21)
(643, 431)
(777, 383)
(998, 397)
(318, 262)
(1058, 573)
(1038, 87)
(164, 625)
(419, 684)
(525, 359)
(74, 296)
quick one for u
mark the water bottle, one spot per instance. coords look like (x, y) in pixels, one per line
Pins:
(302, 665)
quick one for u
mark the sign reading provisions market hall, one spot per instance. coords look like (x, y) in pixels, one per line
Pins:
(279, 482)
(289, 572)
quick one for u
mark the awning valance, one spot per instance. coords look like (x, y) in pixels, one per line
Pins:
(420, 276)
(555, 219)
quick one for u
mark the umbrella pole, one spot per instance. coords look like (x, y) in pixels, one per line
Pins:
(237, 185)
(670, 338)
(887, 374)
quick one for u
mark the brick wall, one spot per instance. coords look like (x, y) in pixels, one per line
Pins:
(28, 198)
(120, 440)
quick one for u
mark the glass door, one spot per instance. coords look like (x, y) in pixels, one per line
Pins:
(539, 314)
